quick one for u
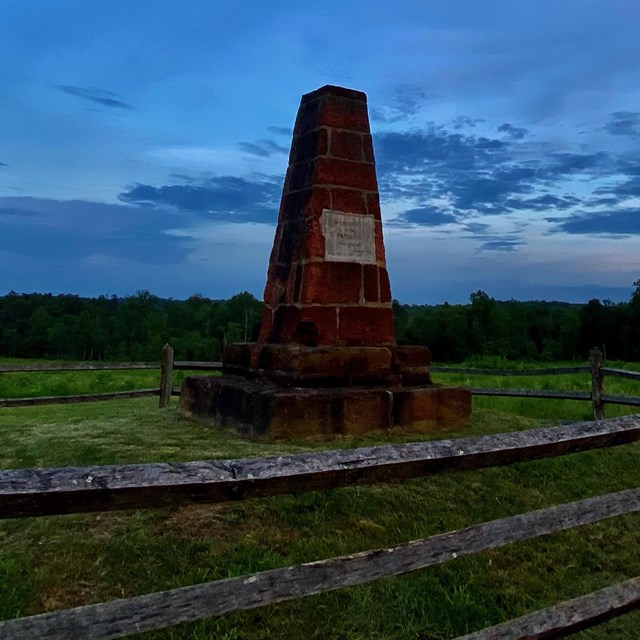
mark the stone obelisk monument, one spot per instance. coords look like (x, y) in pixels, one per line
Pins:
(326, 360)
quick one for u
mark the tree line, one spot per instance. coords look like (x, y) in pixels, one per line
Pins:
(136, 327)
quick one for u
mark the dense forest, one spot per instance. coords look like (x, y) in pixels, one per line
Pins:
(135, 327)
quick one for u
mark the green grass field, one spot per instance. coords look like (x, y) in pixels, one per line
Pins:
(57, 562)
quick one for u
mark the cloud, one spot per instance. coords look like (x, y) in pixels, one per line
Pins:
(624, 123)
(515, 133)
(24, 213)
(425, 216)
(3, 164)
(544, 203)
(70, 231)
(463, 122)
(224, 198)
(281, 131)
(263, 148)
(505, 244)
(99, 96)
(406, 102)
(484, 174)
(613, 224)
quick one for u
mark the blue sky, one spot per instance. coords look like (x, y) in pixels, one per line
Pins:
(144, 144)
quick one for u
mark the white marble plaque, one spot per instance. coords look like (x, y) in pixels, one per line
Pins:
(348, 237)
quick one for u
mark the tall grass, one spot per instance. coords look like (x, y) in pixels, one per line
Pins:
(56, 562)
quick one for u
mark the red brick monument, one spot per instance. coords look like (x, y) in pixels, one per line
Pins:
(326, 360)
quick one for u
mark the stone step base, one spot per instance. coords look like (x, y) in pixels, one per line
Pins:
(261, 410)
(293, 365)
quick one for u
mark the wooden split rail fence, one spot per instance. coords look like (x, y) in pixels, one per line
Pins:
(166, 366)
(596, 395)
(45, 492)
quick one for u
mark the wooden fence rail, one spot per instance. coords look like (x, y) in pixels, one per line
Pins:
(568, 617)
(597, 396)
(85, 397)
(514, 373)
(122, 617)
(165, 391)
(167, 365)
(38, 492)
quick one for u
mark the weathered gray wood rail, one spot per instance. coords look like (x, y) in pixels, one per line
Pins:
(513, 373)
(38, 492)
(188, 604)
(78, 366)
(625, 400)
(568, 617)
(165, 390)
(197, 366)
(85, 397)
(596, 395)
(621, 373)
(531, 393)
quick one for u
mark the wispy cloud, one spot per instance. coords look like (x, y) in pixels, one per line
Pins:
(613, 224)
(624, 123)
(406, 102)
(252, 199)
(281, 131)
(97, 96)
(263, 148)
(515, 133)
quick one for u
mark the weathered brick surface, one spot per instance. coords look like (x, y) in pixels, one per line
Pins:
(410, 356)
(301, 176)
(373, 206)
(347, 145)
(333, 90)
(329, 413)
(296, 365)
(367, 147)
(276, 288)
(416, 408)
(331, 283)
(343, 173)
(454, 405)
(311, 325)
(259, 410)
(348, 200)
(412, 364)
(385, 286)
(306, 203)
(309, 145)
(380, 254)
(314, 242)
(370, 286)
(237, 356)
(307, 118)
(344, 113)
(266, 324)
(366, 325)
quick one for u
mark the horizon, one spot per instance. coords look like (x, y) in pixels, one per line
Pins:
(260, 299)
(146, 150)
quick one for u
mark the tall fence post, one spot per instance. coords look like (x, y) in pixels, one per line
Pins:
(166, 371)
(597, 384)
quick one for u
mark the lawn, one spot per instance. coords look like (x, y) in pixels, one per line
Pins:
(64, 561)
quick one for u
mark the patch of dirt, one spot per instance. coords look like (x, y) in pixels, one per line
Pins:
(228, 524)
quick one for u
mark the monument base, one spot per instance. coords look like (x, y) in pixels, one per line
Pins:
(260, 409)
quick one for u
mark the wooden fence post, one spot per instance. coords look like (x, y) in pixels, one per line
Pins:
(166, 370)
(597, 384)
